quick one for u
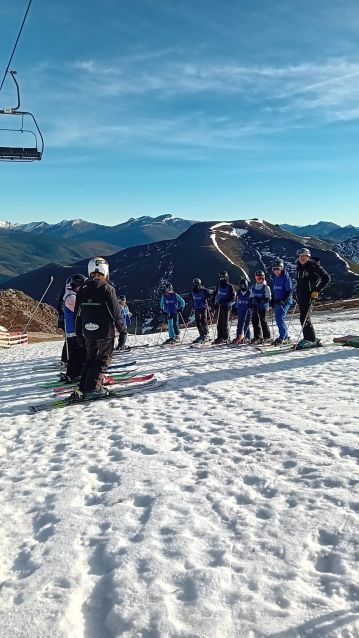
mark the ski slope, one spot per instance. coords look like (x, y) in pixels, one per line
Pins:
(225, 505)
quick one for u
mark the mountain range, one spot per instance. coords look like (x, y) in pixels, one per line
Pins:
(324, 230)
(24, 247)
(204, 249)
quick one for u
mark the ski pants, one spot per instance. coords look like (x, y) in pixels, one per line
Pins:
(260, 324)
(122, 338)
(98, 358)
(201, 317)
(280, 313)
(173, 329)
(244, 319)
(76, 358)
(223, 322)
(64, 353)
(305, 310)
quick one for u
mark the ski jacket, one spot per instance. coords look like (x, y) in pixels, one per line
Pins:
(172, 302)
(224, 295)
(311, 277)
(126, 315)
(243, 302)
(260, 296)
(282, 287)
(200, 298)
(69, 312)
(97, 310)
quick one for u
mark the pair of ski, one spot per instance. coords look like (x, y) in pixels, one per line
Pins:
(108, 383)
(115, 373)
(114, 393)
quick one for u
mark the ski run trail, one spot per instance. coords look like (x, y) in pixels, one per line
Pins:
(223, 505)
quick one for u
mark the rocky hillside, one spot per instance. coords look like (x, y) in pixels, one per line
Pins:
(16, 309)
(350, 249)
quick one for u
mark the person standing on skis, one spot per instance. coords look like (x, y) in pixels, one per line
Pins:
(122, 337)
(311, 280)
(224, 297)
(260, 298)
(244, 311)
(282, 287)
(75, 352)
(97, 314)
(200, 296)
(171, 304)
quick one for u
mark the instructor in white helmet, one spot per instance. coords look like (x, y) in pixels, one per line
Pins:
(97, 313)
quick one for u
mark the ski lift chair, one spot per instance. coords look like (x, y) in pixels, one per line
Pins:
(28, 153)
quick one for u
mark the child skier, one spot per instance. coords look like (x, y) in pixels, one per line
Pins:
(75, 352)
(243, 307)
(282, 299)
(224, 297)
(200, 296)
(171, 304)
(260, 297)
(122, 337)
(311, 280)
(97, 314)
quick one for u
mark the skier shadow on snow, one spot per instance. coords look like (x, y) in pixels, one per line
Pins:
(264, 365)
(322, 626)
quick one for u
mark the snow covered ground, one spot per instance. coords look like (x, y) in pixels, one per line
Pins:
(225, 505)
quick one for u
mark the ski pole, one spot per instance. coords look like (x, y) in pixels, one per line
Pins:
(32, 316)
(185, 325)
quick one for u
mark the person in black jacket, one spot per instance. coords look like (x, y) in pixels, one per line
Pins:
(97, 313)
(224, 297)
(311, 280)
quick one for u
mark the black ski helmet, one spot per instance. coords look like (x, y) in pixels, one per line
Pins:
(122, 298)
(223, 275)
(75, 281)
(243, 284)
(197, 282)
(168, 286)
(260, 273)
(278, 263)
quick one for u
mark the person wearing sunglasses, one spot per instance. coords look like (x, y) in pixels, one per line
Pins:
(311, 280)
(282, 287)
(260, 298)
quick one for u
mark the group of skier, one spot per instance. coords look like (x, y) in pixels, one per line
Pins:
(92, 314)
(251, 303)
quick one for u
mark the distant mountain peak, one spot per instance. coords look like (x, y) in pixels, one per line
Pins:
(6, 224)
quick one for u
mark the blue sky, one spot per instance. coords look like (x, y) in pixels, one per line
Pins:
(202, 109)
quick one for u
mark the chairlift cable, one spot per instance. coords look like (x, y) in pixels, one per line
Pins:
(15, 45)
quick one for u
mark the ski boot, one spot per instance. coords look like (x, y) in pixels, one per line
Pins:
(198, 340)
(75, 397)
(98, 393)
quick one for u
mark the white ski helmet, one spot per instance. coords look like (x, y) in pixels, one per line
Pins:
(98, 264)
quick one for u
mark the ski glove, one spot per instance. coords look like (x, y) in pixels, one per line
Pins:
(315, 294)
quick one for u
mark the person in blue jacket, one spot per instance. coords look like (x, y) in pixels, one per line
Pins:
(282, 288)
(200, 296)
(260, 298)
(171, 304)
(242, 305)
(122, 337)
(224, 297)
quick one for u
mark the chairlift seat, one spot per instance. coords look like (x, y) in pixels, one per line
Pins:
(19, 154)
